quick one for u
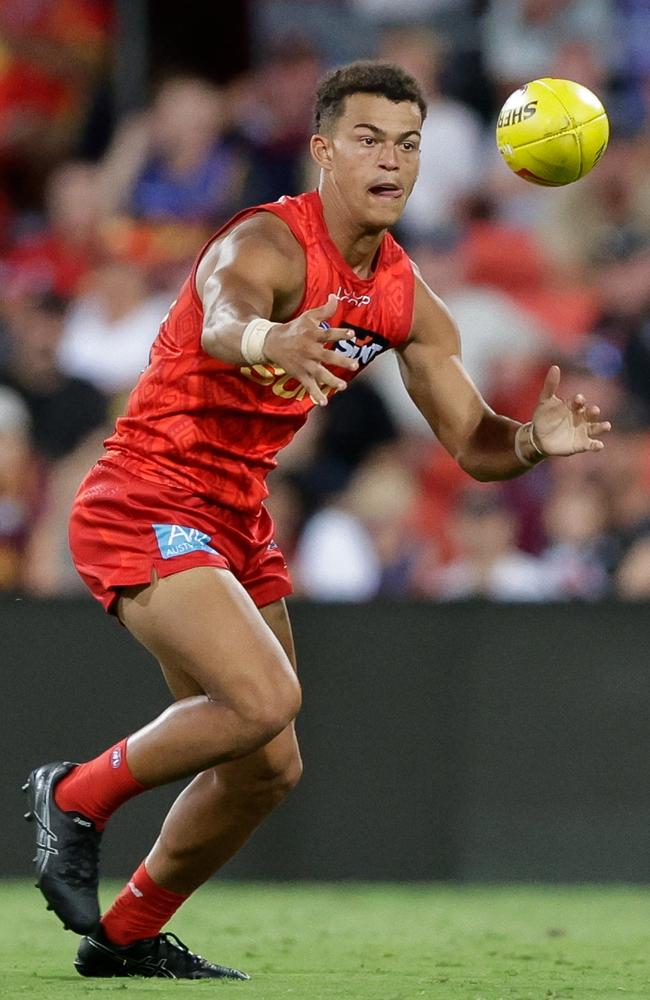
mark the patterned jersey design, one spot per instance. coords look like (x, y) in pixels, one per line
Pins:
(214, 428)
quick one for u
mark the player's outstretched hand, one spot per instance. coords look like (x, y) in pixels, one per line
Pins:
(566, 427)
(299, 348)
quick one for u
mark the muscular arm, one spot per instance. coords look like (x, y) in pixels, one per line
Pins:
(258, 271)
(482, 441)
(255, 270)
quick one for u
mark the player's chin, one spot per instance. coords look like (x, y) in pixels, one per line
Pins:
(384, 212)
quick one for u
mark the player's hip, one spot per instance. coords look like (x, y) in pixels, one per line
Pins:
(123, 528)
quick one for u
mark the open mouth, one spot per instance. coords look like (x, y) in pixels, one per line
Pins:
(386, 190)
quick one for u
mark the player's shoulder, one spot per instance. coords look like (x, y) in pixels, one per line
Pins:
(265, 229)
(259, 242)
(256, 238)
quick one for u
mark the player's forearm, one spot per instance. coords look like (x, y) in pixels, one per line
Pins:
(223, 339)
(489, 453)
(234, 326)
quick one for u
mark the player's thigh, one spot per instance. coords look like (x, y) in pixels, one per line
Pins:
(208, 636)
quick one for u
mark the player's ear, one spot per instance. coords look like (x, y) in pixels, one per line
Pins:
(320, 148)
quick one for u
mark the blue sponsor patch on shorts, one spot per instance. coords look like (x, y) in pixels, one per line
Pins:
(177, 540)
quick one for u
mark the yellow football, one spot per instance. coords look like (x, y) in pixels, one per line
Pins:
(552, 132)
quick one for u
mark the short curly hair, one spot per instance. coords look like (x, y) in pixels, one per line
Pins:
(366, 76)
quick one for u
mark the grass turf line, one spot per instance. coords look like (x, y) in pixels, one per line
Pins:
(366, 942)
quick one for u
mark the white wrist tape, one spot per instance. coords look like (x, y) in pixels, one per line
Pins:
(252, 340)
(525, 434)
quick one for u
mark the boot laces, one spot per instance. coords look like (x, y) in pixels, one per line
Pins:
(172, 941)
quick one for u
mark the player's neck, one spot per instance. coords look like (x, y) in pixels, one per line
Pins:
(358, 246)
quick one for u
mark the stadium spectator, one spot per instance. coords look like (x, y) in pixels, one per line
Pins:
(63, 409)
(384, 494)
(629, 100)
(17, 485)
(488, 563)
(511, 256)
(521, 39)
(53, 57)
(352, 425)
(175, 160)
(337, 31)
(66, 426)
(335, 559)
(109, 329)
(628, 482)
(364, 543)
(605, 221)
(55, 252)
(274, 117)
(579, 546)
(632, 579)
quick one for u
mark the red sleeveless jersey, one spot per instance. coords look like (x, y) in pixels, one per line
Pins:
(214, 428)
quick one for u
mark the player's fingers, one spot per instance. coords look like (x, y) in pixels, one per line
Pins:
(316, 394)
(551, 382)
(339, 360)
(325, 311)
(325, 335)
(600, 427)
(326, 377)
(593, 412)
(578, 403)
(595, 445)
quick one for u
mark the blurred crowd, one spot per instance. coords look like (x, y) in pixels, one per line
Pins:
(101, 217)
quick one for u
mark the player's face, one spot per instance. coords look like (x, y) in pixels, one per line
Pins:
(375, 157)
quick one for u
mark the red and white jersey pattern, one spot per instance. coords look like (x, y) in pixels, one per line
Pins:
(214, 428)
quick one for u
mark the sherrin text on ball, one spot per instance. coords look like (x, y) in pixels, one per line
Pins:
(552, 132)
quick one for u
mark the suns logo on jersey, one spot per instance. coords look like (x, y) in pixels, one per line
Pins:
(277, 380)
(366, 345)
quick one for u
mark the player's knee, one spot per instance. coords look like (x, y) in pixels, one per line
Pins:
(276, 714)
(272, 707)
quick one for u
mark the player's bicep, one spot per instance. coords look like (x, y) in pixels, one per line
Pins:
(249, 274)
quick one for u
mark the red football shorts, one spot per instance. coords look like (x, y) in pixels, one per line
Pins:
(122, 529)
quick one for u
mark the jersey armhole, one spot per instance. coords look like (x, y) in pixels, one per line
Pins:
(409, 305)
(248, 213)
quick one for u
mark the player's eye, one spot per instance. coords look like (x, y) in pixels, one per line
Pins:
(368, 140)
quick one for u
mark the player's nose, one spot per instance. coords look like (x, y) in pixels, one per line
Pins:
(388, 157)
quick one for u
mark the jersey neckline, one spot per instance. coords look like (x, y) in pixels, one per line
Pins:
(334, 252)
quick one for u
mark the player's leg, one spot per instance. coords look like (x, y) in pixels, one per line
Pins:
(207, 824)
(203, 622)
(217, 812)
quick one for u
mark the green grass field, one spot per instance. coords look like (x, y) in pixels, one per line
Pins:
(366, 942)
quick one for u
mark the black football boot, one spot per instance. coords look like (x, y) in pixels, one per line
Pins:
(67, 851)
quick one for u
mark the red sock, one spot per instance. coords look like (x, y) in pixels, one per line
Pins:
(99, 786)
(141, 909)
